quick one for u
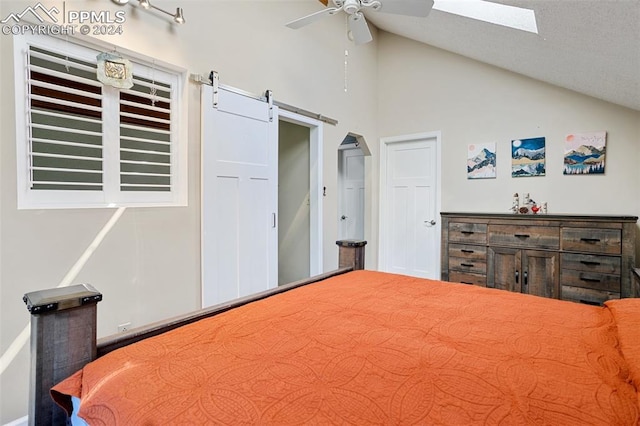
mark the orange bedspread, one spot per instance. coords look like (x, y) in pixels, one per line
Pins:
(375, 348)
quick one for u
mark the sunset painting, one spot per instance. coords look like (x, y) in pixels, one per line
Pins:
(584, 153)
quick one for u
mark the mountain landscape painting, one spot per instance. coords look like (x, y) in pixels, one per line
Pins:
(584, 153)
(481, 161)
(528, 157)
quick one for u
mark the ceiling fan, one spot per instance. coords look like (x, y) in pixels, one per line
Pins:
(510, 16)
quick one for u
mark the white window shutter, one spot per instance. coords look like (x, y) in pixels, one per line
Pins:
(65, 113)
(82, 144)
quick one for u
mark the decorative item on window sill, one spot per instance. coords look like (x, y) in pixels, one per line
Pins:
(178, 17)
(114, 70)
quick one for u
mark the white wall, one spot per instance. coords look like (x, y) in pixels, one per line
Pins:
(471, 102)
(148, 266)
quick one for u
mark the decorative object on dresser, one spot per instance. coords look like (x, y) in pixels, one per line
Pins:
(586, 259)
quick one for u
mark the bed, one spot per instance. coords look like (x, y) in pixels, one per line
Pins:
(365, 347)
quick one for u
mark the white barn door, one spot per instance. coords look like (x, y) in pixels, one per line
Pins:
(239, 196)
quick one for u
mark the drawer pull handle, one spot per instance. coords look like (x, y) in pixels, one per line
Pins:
(589, 262)
(590, 240)
(466, 282)
(468, 265)
(467, 251)
(522, 235)
(589, 302)
(517, 276)
(526, 278)
(467, 232)
(590, 280)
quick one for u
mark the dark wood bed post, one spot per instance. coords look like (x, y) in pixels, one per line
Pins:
(63, 340)
(64, 324)
(351, 253)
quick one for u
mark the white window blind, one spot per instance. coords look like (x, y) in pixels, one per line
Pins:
(83, 144)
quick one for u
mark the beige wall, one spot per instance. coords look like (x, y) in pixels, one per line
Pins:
(148, 266)
(472, 102)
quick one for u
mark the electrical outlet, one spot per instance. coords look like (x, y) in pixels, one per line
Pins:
(122, 328)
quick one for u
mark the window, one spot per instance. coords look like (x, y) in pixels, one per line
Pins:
(84, 144)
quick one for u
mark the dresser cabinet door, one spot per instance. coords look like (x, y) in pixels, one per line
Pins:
(504, 268)
(540, 273)
(524, 271)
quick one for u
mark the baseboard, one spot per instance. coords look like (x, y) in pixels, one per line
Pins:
(23, 421)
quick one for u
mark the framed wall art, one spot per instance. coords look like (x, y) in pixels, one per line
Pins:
(528, 157)
(584, 153)
(481, 161)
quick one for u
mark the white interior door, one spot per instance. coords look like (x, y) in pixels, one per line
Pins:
(239, 196)
(351, 175)
(410, 236)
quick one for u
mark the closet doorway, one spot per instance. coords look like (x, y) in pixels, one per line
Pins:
(299, 197)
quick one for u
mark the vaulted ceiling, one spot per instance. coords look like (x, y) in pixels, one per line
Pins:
(589, 46)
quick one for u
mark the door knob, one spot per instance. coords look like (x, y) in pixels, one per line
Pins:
(430, 222)
(343, 217)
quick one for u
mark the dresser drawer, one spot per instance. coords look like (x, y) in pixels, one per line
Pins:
(592, 280)
(468, 278)
(591, 263)
(592, 240)
(473, 253)
(467, 265)
(464, 232)
(523, 236)
(586, 295)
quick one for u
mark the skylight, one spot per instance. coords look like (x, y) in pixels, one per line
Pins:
(500, 14)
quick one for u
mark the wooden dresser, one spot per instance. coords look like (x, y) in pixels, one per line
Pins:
(586, 259)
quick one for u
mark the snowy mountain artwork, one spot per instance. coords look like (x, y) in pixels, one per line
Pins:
(481, 161)
(528, 157)
(584, 153)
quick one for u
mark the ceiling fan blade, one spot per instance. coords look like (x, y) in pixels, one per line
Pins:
(495, 13)
(359, 28)
(309, 19)
(420, 8)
